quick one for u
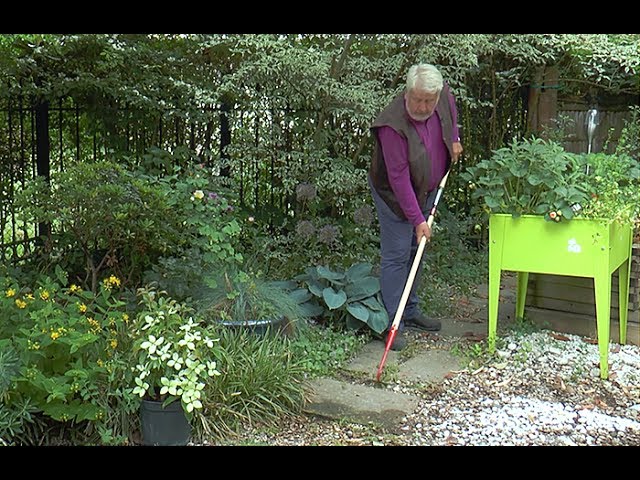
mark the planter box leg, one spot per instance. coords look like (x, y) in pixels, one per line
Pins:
(494, 296)
(623, 298)
(602, 287)
(523, 279)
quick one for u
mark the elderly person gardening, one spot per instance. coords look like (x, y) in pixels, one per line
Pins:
(417, 138)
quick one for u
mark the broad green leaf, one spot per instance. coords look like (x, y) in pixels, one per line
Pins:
(363, 288)
(378, 320)
(372, 303)
(335, 277)
(492, 201)
(358, 271)
(358, 310)
(334, 299)
(315, 287)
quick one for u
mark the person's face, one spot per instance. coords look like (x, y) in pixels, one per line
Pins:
(420, 104)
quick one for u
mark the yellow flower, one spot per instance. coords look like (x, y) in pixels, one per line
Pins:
(199, 194)
(113, 343)
(100, 363)
(74, 288)
(110, 282)
(10, 293)
(125, 317)
(44, 295)
(55, 335)
(29, 296)
(82, 307)
(95, 325)
(20, 303)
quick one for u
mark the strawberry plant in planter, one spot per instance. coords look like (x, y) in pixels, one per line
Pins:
(535, 179)
(538, 177)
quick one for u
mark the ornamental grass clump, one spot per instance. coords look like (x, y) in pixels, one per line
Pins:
(261, 383)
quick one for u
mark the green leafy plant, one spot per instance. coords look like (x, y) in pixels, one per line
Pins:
(530, 177)
(350, 297)
(210, 233)
(174, 352)
(73, 353)
(538, 177)
(629, 142)
(116, 220)
(208, 227)
(324, 349)
(614, 187)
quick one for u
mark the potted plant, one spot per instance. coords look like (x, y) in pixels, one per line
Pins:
(238, 299)
(552, 211)
(175, 358)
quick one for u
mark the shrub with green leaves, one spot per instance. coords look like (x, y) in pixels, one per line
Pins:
(209, 237)
(116, 220)
(350, 297)
(72, 346)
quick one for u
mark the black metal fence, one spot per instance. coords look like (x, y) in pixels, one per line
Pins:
(257, 148)
(42, 139)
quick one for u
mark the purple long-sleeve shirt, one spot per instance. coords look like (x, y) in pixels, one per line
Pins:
(396, 159)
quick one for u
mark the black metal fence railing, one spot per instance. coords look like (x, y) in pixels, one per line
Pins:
(44, 139)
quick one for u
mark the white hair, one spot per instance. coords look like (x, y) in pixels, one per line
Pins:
(425, 77)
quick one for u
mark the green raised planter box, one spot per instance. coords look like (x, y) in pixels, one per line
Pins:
(579, 247)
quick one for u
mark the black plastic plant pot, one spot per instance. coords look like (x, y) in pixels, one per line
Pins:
(164, 426)
(258, 327)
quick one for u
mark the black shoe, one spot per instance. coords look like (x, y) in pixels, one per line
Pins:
(399, 342)
(423, 323)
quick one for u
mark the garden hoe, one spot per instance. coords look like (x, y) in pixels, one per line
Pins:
(412, 274)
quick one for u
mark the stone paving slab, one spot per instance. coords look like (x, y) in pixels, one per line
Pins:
(359, 403)
(431, 366)
(342, 400)
(368, 360)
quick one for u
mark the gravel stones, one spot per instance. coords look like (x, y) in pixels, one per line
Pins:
(542, 388)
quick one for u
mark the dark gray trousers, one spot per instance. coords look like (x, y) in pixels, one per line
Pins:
(398, 248)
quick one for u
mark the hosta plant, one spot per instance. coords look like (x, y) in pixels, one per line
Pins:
(349, 296)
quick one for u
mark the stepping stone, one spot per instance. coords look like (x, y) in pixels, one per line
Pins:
(359, 403)
(431, 366)
(368, 360)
